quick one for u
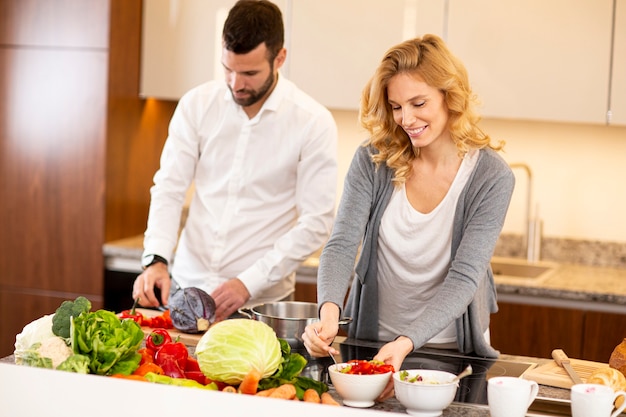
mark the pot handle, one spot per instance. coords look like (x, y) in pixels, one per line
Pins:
(246, 312)
(345, 320)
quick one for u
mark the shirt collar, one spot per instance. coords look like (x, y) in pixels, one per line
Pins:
(273, 101)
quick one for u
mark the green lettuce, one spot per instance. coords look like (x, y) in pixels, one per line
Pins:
(110, 343)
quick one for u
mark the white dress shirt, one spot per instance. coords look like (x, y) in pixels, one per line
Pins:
(264, 189)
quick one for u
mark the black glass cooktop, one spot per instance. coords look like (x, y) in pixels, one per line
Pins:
(472, 389)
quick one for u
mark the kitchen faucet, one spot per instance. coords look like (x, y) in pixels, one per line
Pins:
(533, 226)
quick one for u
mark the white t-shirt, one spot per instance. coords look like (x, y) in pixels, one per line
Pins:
(414, 257)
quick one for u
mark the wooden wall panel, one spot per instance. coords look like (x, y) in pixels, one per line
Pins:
(136, 128)
(53, 95)
(52, 167)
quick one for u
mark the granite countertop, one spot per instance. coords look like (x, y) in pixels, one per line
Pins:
(592, 286)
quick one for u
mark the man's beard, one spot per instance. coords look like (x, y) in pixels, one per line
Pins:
(255, 96)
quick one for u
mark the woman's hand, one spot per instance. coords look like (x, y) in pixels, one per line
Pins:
(393, 353)
(318, 336)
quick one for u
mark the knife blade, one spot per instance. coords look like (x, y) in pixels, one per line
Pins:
(563, 361)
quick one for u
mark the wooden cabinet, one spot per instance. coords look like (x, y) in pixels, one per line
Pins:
(530, 330)
(535, 59)
(535, 330)
(332, 47)
(532, 60)
(602, 332)
(336, 46)
(181, 45)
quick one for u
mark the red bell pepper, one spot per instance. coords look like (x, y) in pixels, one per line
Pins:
(133, 315)
(176, 350)
(158, 338)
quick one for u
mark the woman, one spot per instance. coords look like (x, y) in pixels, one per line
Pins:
(426, 197)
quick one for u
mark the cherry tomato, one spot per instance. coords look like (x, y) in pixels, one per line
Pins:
(363, 367)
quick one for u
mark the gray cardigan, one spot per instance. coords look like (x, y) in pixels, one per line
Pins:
(467, 295)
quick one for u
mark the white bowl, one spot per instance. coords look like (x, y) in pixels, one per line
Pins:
(428, 398)
(357, 390)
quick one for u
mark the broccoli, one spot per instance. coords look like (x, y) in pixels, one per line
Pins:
(75, 363)
(67, 309)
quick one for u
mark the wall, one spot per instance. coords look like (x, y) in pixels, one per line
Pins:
(578, 174)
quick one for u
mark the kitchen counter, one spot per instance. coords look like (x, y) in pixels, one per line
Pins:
(568, 285)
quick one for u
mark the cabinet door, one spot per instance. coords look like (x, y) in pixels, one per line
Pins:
(181, 45)
(535, 59)
(337, 45)
(603, 331)
(618, 91)
(530, 330)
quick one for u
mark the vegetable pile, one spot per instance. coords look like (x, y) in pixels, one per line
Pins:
(77, 340)
(239, 355)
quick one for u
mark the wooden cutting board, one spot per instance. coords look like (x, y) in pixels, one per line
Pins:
(553, 375)
(187, 338)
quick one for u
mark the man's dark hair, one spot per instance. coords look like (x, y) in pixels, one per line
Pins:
(251, 22)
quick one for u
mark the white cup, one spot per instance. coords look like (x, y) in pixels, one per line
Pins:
(510, 396)
(595, 400)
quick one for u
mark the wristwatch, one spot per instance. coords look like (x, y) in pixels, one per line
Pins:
(148, 260)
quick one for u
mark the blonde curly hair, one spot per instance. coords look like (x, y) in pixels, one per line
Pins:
(430, 58)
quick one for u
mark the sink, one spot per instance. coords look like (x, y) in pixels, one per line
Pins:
(519, 268)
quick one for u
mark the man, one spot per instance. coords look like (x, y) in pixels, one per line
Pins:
(261, 155)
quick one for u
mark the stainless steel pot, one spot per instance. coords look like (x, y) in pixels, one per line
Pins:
(287, 318)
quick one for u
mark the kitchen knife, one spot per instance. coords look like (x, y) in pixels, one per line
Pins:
(562, 360)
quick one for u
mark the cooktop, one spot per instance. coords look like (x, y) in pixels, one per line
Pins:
(472, 389)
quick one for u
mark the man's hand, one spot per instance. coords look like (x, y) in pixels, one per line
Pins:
(156, 275)
(229, 297)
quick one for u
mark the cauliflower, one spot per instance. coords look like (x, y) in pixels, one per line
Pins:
(48, 353)
(34, 332)
(55, 349)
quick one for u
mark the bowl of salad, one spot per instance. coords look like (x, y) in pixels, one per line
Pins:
(424, 392)
(360, 382)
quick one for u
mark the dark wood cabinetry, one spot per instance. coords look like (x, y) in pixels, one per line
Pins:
(532, 330)
(53, 109)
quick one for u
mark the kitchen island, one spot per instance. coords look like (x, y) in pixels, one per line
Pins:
(18, 382)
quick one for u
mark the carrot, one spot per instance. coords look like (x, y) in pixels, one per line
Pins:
(131, 377)
(265, 392)
(229, 388)
(148, 367)
(250, 382)
(328, 399)
(285, 391)
(311, 396)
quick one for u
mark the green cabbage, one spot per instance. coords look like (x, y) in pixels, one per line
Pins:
(232, 348)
